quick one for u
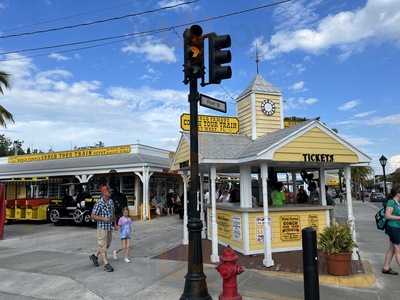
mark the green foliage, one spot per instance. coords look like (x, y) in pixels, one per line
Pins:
(336, 239)
(5, 115)
(7, 146)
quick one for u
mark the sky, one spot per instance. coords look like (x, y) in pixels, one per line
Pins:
(335, 59)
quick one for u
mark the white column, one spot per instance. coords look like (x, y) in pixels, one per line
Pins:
(350, 214)
(323, 194)
(185, 179)
(137, 192)
(145, 178)
(268, 262)
(245, 187)
(322, 186)
(294, 180)
(214, 225)
(201, 206)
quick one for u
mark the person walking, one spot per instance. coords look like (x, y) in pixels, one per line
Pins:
(103, 213)
(392, 215)
(125, 231)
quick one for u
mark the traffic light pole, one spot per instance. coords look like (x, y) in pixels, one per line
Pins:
(195, 280)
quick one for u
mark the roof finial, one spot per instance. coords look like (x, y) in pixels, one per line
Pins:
(257, 60)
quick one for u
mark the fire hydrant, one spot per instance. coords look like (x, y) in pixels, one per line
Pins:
(229, 269)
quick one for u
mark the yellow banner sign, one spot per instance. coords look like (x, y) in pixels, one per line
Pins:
(212, 124)
(70, 154)
(290, 228)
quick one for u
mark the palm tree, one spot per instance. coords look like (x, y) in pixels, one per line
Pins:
(5, 115)
(360, 176)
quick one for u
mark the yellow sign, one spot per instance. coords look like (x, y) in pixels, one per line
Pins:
(224, 225)
(212, 124)
(313, 221)
(290, 228)
(70, 154)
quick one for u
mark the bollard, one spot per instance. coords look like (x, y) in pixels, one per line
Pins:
(2, 210)
(310, 264)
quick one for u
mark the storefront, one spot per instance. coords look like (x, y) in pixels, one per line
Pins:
(138, 171)
(261, 150)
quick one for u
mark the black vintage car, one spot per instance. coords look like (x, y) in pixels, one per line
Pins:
(76, 209)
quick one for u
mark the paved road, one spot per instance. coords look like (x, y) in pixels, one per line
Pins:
(47, 262)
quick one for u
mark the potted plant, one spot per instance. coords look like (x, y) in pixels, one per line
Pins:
(337, 243)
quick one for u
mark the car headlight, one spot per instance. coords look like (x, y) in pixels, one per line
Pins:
(82, 203)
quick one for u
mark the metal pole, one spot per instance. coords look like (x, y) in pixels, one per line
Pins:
(310, 264)
(195, 280)
(384, 181)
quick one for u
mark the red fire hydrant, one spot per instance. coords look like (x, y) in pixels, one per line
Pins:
(229, 269)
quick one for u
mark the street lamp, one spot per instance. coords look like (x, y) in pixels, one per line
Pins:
(383, 161)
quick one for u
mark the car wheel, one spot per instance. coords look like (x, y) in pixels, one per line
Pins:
(77, 216)
(87, 219)
(54, 216)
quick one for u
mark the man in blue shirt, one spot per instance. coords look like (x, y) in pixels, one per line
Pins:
(103, 213)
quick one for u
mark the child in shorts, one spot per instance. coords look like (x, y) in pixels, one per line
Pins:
(125, 231)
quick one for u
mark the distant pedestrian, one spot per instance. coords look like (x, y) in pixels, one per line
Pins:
(392, 215)
(103, 213)
(125, 232)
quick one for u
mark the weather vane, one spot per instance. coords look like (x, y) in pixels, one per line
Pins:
(257, 60)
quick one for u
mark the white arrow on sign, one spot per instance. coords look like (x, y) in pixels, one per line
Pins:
(212, 103)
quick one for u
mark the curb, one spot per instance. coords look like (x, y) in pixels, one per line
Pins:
(366, 280)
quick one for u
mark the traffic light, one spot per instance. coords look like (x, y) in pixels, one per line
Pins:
(193, 53)
(217, 57)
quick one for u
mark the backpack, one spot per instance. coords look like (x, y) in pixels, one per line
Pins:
(380, 219)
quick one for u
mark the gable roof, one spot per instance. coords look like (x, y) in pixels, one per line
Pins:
(259, 84)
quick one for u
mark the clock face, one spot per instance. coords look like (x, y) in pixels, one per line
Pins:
(268, 107)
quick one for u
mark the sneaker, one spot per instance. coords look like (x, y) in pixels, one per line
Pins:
(115, 256)
(94, 259)
(127, 260)
(390, 272)
(108, 268)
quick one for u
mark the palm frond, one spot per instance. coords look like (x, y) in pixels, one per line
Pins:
(4, 81)
(5, 116)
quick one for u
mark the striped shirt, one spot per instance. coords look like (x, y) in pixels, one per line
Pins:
(104, 208)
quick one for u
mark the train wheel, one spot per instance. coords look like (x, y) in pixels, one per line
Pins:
(54, 216)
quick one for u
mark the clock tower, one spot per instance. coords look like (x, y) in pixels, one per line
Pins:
(259, 108)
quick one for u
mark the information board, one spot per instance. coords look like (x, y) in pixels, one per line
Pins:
(313, 221)
(260, 229)
(224, 225)
(215, 124)
(236, 228)
(290, 228)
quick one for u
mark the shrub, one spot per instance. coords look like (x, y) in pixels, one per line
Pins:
(336, 239)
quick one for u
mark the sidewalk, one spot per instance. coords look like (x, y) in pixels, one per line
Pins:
(52, 263)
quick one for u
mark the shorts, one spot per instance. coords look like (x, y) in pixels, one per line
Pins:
(125, 238)
(394, 234)
(104, 238)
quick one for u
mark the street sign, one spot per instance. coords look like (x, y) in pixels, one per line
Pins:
(215, 124)
(212, 103)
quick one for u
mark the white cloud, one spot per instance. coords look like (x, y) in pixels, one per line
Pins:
(378, 20)
(297, 86)
(393, 163)
(58, 57)
(393, 119)
(357, 140)
(154, 50)
(349, 105)
(51, 107)
(297, 14)
(364, 114)
(299, 103)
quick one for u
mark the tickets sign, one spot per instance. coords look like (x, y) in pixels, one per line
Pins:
(70, 154)
(215, 124)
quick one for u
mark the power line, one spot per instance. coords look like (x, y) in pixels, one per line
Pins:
(6, 30)
(97, 21)
(148, 32)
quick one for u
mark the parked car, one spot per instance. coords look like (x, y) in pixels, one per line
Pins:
(377, 197)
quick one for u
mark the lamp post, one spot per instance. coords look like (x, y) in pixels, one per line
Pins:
(383, 161)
